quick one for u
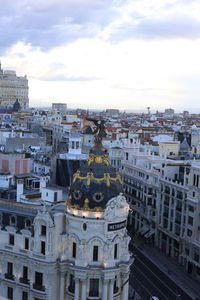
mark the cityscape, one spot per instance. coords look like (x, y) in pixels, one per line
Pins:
(97, 204)
(99, 150)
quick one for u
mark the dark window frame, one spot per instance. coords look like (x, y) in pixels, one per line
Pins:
(95, 253)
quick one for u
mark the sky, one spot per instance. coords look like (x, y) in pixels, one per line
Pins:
(98, 54)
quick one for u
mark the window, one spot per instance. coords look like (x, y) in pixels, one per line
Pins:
(10, 293)
(12, 220)
(115, 251)
(98, 197)
(189, 233)
(43, 247)
(74, 250)
(196, 257)
(11, 239)
(26, 243)
(95, 253)
(28, 223)
(55, 196)
(190, 220)
(115, 287)
(94, 287)
(25, 272)
(71, 287)
(24, 295)
(43, 230)
(191, 208)
(38, 278)
(10, 268)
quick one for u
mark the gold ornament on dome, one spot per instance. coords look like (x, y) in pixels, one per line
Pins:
(99, 159)
(76, 206)
(86, 204)
(98, 209)
(90, 177)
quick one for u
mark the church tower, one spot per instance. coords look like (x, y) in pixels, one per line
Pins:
(96, 254)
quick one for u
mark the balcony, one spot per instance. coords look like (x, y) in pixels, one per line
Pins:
(9, 276)
(24, 280)
(39, 287)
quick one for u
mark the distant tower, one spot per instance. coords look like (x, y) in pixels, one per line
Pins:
(148, 109)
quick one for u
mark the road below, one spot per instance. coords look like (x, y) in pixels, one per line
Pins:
(148, 280)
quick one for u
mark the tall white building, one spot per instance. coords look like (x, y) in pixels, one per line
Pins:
(12, 88)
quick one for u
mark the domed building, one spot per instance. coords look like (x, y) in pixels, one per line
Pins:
(69, 251)
(97, 253)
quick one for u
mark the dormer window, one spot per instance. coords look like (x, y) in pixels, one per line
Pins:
(98, 197)
(12, 220)
(77, 195)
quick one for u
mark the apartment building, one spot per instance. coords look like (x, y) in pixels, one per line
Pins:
(164, 195)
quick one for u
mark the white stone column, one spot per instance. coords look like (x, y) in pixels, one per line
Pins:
(62, 286)
(105, 290)
(76, 295)
(83, 290)
(124, 294)
(111, 289)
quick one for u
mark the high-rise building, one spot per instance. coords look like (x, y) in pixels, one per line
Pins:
(13, 88)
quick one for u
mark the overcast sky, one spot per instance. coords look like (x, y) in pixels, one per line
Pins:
(105, 53)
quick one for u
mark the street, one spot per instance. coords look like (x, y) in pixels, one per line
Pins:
(148, 280)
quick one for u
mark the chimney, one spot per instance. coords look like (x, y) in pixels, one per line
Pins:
(20, 189)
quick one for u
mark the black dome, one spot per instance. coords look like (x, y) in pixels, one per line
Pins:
(95, 183)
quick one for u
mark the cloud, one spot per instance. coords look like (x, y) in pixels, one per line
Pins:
(53, 22)
(148, 29)
(65, 78)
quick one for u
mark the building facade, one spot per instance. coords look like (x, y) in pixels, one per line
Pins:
(164, 196)
(12, 88)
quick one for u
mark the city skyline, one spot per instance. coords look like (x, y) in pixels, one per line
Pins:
(91, 54)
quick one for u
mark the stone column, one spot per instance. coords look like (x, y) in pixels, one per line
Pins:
(62, 286)
(111, 289)
(105, 290)
(83, 290)
(124, 294)
(76, 295)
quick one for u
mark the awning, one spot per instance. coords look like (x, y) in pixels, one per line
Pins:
(149, 234)
(143, 230)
